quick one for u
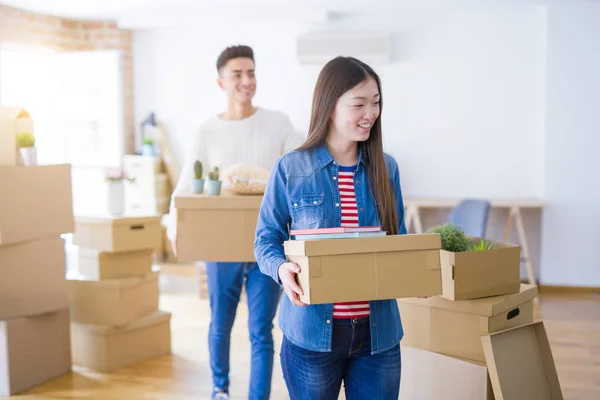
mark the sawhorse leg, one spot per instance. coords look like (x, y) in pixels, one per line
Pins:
(514, 213)
(412, 217)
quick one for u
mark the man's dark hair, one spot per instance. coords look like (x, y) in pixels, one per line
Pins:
(232, 52)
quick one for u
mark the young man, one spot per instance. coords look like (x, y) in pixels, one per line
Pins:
(247, 134)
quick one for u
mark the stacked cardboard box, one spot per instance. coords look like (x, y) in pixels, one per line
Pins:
(480, 329)
(35, 209)
(114, 296)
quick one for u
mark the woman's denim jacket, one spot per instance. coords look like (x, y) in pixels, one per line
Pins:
(302, 192)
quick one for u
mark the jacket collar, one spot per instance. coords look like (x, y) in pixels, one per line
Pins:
(324, 158)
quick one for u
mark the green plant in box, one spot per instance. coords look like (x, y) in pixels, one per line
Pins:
(453, 237)
(483, 246)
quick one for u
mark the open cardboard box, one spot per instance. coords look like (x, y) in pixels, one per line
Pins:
(454, 327)
(432, 376)
(118, 234)
(113, 302)
(476, 274)
(13, 120)
(521, 365)
(32, 278)
(34, 350)
(375, 268)
(216, 228)
(26, 196)
(106, 349)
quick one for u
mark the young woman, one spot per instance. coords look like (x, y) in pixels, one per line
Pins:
(339, 177)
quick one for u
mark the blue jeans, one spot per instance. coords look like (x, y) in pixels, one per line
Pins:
(225, 281)
(319, 375)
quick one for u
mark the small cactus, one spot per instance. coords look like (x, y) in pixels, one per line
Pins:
(198, 169)
(214, 174)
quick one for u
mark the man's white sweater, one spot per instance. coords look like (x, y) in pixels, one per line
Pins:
(258, 140)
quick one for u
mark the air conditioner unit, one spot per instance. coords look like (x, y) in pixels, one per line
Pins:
(320, 47)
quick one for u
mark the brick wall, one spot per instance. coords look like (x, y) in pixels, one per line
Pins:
(32, 29)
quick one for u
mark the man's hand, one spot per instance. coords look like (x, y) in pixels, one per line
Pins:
(287, 273)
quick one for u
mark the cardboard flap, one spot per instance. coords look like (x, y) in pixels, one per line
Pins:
(75, 278)
(428, 241)
(521, 365)
(134, 221)
(225, 201)
(103, 330)
(487, 306)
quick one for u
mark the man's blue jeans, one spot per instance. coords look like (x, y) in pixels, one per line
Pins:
(225, 281)
(316, 375)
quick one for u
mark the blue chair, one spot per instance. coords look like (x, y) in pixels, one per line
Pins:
(472, 216)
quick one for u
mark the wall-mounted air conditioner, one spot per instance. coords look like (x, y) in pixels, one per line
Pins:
(320, 47)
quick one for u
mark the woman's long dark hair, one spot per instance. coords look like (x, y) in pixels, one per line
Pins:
(336, 78)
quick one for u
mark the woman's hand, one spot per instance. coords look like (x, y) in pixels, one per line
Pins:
(287, 274)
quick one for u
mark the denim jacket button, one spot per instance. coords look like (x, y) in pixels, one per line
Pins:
(334, 178)
(328, 321)
(337, 204)
(295, 204)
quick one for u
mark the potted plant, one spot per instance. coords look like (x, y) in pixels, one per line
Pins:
(115, 178)
(476, 267)
(198, 181)
(213, 185)
(148, 147)
(26, 148)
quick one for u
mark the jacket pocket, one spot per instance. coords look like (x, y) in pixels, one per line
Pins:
(307, 209)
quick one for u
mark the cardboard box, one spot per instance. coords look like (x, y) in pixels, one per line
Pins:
(13, 120)
(375, 268)
(142, 168)
(34, 350)
(32, 278)
(455, 327)
(432, 376)
(117, 234)
(521, 364)
(113, 302)
(107, 349)
(26, 196)
(98, 265)
(216, 228)
(476, 274)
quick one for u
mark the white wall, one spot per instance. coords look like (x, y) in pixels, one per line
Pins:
(465, 107)
(571, 238)
(464, 95)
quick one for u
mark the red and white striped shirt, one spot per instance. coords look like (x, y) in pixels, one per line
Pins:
(356, 309)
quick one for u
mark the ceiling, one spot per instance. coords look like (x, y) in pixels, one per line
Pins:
(137, 14)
